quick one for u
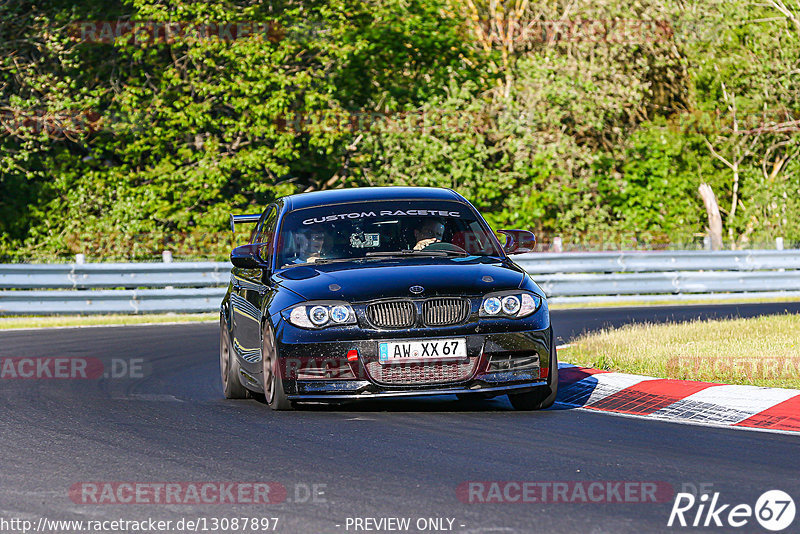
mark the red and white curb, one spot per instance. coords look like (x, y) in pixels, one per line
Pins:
(703, 403)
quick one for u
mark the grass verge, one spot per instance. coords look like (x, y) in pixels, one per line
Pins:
(622, 303)
(760, 351)
(102, 320)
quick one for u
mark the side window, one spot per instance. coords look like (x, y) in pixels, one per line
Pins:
(472, 239)
(266, 229)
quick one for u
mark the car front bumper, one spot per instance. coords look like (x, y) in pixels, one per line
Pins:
(499, 362)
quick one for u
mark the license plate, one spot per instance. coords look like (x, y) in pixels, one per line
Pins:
(422, 351)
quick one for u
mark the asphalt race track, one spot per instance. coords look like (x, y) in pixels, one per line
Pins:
(167, 422)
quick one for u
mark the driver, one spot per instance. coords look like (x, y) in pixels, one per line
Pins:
(431, 231)
(309, 244)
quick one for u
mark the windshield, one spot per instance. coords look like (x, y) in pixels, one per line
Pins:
(382, 229)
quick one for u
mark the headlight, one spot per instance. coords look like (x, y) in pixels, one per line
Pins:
(510, 304)
(340, 314)
(491, 306)
(320, 314)
(530, 303)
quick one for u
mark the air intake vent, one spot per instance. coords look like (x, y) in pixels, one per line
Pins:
(513, 361)
(392, 314)
(421, 374)
(445, 311)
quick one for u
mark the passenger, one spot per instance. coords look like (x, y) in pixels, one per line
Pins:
(309, 244)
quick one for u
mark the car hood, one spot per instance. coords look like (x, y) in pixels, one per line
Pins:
(355, 282)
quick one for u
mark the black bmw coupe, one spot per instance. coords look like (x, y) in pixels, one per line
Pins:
(383, 292)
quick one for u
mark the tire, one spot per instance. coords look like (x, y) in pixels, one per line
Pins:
(229, 366)
(541, 397)
(271, 375)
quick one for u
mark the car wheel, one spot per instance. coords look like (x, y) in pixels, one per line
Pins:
(271, 375)
(542, 396)
(229, 367)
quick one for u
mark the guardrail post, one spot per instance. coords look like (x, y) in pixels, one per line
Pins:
(80, 259)
(166, 257)
(779, 243)
(557, 245)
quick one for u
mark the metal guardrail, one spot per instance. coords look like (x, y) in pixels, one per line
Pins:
(620, 262)
(664, 276)
(567, 285)
(565, 277)
(188, 300)
(84, 288)
(104, 275)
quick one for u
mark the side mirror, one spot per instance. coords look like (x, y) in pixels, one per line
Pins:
(518, 241)
(247, 256)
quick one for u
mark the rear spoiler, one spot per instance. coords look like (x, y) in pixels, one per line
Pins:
(243, 219)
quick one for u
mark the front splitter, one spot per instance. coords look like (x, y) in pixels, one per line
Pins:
(498, 390)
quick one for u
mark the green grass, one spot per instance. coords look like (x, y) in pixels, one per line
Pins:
(761, 351)
(102, 320)
(628, 303)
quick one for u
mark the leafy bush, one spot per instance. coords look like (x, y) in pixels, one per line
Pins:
(122, 149)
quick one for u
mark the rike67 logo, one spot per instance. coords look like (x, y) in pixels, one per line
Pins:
(774, 510)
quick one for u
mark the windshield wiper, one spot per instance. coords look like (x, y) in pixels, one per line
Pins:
(409, 252)
(336, 260)
(377, 255)
(322, 261)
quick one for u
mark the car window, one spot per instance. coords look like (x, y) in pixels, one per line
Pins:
(358, 230)
(266, 229)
